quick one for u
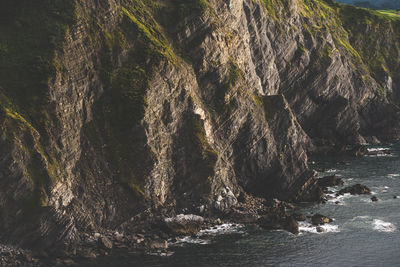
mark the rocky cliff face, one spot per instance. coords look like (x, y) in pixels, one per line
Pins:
(124, 107)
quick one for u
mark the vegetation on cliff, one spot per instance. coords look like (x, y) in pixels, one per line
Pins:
(377, 39)
(143, 36)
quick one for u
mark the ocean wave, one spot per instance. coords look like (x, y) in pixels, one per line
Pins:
(393, 175)
(191, 240)
(383, 226)
(332, 198)
(204, 237)
(377, 149)
(360, 217)
(365, 222)
(225, 228)
(326, 228)
(331, 170)
(380, 189)
(379, 152)
(161, 254)
(381, 155)
(368, 200)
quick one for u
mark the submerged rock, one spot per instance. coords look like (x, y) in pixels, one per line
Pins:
(319, 219)
(275, 222)
(291, 225)
(374, 199)
(357, 189)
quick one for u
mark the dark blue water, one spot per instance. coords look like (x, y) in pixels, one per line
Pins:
(363, 233)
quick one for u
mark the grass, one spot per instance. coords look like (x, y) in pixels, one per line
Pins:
(269, 6)
(221, 105)
(375, 36)
(122, 107)
(392, 14)
(30, 33)
(153, 33)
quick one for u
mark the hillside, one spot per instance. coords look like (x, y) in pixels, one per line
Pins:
(377, 4)
(117, 110)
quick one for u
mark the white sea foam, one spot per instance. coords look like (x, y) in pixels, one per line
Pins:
(309, 228)
(204, 237)
(331, 170)
(383, 226)
(365, 222)
(225, 228)
(191, 240)
(377, 149)
(359, 222)
(379, 152)
(380, 189)
(393, 175)
(368, 200)
(334, 198)
(161, 254)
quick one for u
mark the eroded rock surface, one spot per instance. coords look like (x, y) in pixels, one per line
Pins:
(143, 108)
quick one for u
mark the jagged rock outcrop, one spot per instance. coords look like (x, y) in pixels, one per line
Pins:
(153, 106)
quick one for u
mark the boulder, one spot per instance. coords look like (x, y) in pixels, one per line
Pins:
(331, 180)
(291, 225)
(87, 254)
(320, 229)
(105, 243)
(313, 194)
(300, 217)
(357, 189)
(69, 262)
(275, 222)
(374, 198)
(239, 216)
(157, 244)
(358, 150)
(181, 225)
(319, 219)
(225, 200)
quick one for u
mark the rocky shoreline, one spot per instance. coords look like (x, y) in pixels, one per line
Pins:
(153, 236)
(116, 117)
(152, 231)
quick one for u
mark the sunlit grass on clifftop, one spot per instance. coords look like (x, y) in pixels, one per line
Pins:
(392, 14)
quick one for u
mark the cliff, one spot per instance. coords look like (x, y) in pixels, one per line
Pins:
(121, 108)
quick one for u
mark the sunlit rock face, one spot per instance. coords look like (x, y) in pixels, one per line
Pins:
(175, 108)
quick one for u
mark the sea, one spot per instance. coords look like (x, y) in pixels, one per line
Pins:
(363, 232)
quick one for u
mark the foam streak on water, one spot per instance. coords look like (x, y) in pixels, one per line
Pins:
(364, 233)
(205, 236)
(309, 228)
(377, 149)
(383, 226)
